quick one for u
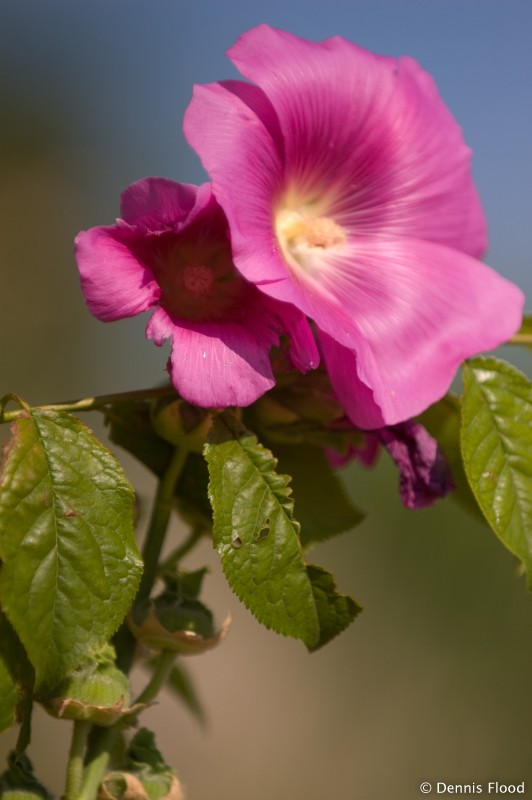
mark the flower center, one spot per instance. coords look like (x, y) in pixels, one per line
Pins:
(197, 279)
(303, 238)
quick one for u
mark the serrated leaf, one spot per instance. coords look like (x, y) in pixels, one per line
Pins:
(335, 611)
(257, 535)
(497, 450)
(443, 421)
(70, 563)
(323, 508)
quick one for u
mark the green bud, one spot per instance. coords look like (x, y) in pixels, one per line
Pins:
(181, 423)
(183, 626)
(97, 692)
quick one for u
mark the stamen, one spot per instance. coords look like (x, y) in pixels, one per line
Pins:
(319, 232)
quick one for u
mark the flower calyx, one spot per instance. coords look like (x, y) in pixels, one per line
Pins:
(96, 692)
(176, 620)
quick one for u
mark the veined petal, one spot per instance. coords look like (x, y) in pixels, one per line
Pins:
(417, 310)
(215, 364)
(156, 203)
(115, 283)
(224, 126)
(367, 135)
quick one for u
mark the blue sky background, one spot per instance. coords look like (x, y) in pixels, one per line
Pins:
(433, 681)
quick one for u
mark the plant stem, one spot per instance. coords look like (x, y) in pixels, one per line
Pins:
(521, 338)
(158, 679)
(96, 767)
(181, 551)
(88, 403)
(160, 516)
(76, 756)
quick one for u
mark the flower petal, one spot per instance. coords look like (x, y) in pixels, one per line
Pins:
(369, 130)
(424, 473)
(115, 283)
(156, 203)
(226, 363)
(242, 158)
(415, 311)
(215, 364)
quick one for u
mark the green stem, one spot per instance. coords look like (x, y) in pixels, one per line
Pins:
(181, 551)
(87, 403)
(521, 338)
(158, 679)
(24, 734)
(76, 756)
(97, 765)
(160, 517)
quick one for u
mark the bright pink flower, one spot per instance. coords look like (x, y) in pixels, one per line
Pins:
(347, 187)
(171, 251)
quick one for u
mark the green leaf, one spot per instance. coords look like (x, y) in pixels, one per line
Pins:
(180, 683)
(70, 564)
(335, 611)
(18, 781)
(443, 421)
(497, 450)
(257, 536)
(16, 675)
(323, 508)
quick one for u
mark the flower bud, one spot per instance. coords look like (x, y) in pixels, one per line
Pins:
(181, 423)
(97, 692)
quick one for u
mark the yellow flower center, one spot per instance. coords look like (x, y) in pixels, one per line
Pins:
(304, 237)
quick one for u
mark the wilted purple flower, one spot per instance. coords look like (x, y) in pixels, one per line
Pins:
(424, 474)
(171, 251)
(346, 183)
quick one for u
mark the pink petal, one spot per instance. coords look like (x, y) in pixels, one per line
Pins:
(242, 158)
(115, 283)
(371, 129)
(417, 311)
(215, 364)
(156, 203)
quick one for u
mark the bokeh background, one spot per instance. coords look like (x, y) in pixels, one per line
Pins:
(432, 682)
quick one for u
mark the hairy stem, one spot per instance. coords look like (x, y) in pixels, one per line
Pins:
(76, 756)
(97, 764)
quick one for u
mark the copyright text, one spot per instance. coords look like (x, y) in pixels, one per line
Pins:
(493, 788)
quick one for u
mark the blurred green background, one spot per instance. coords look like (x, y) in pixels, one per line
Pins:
(433, 681)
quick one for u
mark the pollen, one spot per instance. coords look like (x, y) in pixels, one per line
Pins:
(298, 232)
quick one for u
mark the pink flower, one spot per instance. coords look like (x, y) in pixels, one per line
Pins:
(171, 251)
(346, 183)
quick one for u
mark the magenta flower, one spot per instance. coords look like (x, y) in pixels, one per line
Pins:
(347, 187)
(171, 251)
